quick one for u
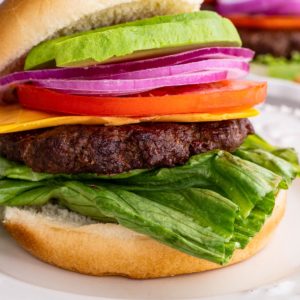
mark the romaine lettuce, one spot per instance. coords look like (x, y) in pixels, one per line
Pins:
(281, 67)
(207, 208)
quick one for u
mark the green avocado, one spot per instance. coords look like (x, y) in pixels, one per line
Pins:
(44, 54)
(149, 37)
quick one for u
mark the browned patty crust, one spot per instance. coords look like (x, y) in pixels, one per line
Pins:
(279, 43)
(116, 149)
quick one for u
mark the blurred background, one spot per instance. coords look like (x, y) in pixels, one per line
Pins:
(269, 27)
(272, 29)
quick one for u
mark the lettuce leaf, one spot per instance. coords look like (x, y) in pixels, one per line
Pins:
(185, 220)
(243, 182)
(206, 208)
(283, 162)
(281, 67)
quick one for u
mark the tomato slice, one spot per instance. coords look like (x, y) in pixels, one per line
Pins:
(227, 96)
(266, 22)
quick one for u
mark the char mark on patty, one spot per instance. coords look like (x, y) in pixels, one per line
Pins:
(77, 149)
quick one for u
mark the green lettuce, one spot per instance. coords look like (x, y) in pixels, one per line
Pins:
(281, 67)
(206, 208)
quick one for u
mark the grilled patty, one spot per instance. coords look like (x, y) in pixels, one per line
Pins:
(279, 43)
(112, 150)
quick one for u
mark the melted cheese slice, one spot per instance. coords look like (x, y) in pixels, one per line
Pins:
(13, 118)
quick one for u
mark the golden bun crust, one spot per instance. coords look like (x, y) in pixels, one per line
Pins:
(109, 249)
(26, 23)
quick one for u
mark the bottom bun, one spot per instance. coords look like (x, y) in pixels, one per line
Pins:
(75, 243)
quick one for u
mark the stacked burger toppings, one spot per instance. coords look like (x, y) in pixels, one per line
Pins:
(145, 124)
(271, 29)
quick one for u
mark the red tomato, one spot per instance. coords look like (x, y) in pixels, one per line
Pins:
(266, 22)
(222, 97)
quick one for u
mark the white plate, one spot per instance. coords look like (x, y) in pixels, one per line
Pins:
(23, 277)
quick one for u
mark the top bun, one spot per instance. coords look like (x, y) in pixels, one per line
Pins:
(26, 23)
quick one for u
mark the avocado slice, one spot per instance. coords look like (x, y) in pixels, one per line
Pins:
(44, 53)
(139, 39)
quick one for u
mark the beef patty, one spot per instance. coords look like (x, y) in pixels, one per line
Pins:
(279, 43)
(111, 150)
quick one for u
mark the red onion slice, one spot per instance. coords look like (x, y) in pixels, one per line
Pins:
(268, 7)
(248, 6)
(184, 57)
(235, 69)
(231, 60)
(116, 87)
(290, 7)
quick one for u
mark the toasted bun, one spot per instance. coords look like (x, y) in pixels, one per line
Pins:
(26, 23)
(74, 243)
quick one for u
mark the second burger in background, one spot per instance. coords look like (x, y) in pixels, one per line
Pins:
(272, 30)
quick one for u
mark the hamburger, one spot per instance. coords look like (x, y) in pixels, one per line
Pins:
(125, 143)
(272, 30)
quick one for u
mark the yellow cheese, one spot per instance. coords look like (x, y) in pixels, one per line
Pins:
(13, 118)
